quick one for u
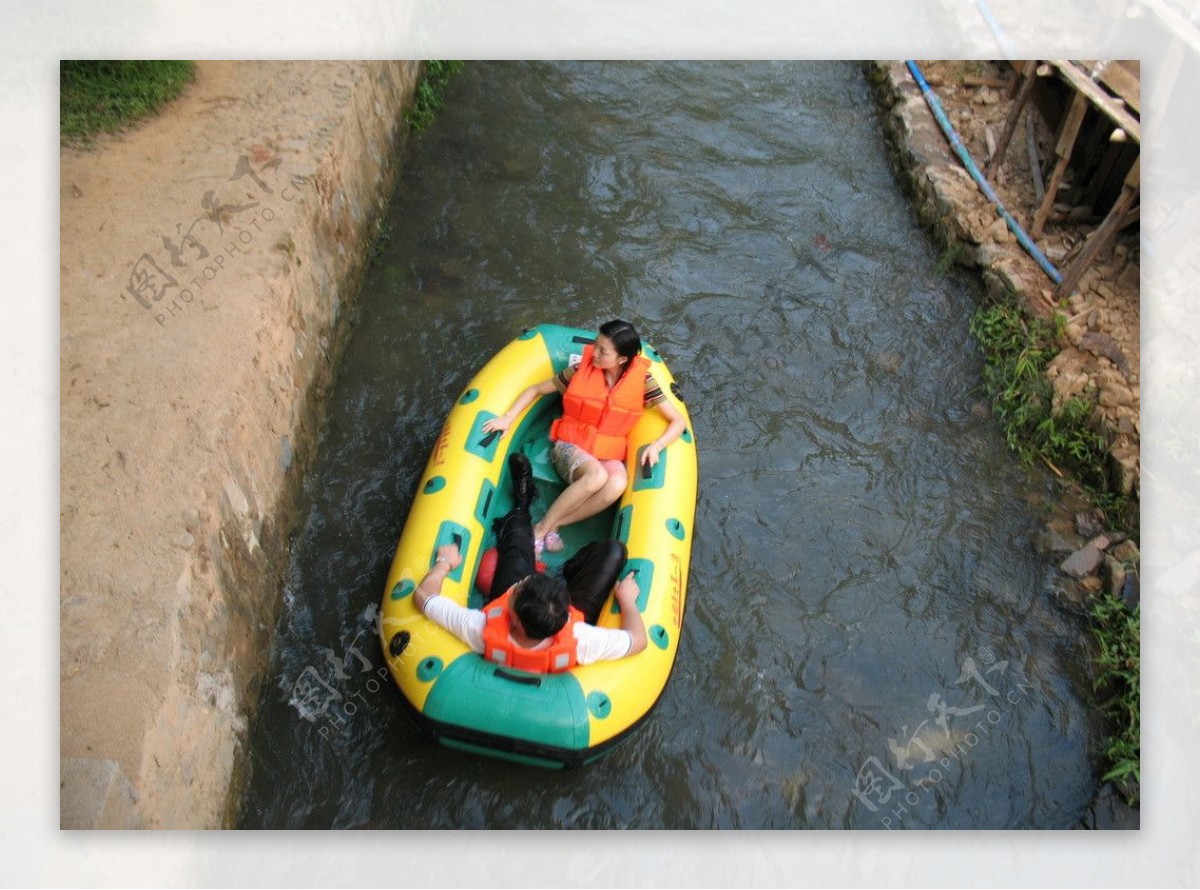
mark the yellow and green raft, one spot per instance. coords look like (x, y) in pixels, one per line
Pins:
(468, 703)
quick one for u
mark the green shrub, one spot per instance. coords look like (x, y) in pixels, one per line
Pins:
(1017, 348)
(107, 95)
(1118, 683)
(429, 95)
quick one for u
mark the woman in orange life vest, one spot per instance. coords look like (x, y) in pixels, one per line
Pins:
(603, 397)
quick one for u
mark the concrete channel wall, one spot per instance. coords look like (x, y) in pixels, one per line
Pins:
(208, 262)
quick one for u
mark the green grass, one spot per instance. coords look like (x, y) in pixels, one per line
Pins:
(429, 95)
(948, 260)
(1118, 684)
(106, 96)
(1017, 348)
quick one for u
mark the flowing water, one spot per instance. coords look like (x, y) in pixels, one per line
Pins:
(871, 639)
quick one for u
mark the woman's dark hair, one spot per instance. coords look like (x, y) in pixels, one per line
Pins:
(624, 338)
(542, 603)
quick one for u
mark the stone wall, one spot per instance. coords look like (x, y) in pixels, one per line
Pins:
(209, 260)
(1100, 351)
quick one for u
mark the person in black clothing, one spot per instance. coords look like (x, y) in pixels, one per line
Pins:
(590, 574)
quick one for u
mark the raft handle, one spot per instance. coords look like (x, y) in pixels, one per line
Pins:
(489, 439)
(527, 679)
(398, 643)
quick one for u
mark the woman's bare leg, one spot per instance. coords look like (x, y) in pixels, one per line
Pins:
(607, 494)
(590, 478)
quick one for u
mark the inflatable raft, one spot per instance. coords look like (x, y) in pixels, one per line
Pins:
(467, 703)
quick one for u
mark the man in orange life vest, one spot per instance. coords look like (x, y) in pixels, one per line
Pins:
(536, 622)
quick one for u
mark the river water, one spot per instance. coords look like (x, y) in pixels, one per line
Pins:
(871, 639)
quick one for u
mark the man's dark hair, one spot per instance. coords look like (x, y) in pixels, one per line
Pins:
(541, 603)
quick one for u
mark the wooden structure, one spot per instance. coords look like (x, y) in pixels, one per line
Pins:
(1112, 90)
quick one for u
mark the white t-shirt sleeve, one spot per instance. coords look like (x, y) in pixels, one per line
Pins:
(601, 643)
(466, 624)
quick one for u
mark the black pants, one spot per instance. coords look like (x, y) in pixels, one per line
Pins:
(590, 574)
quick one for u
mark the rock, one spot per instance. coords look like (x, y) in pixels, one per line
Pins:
(1130, 277)
(1126, 551)
(1114, 575)
(1089, 523)
(1073, 593)
(1058, 537)
(1106, 539)
(1131, 594)
(1100, 344)
(1123, 468)
(1083, 562)
(1091, 584)
(998, 231)
(1115, 396)
(1110, 812)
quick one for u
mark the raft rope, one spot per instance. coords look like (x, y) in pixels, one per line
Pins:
(956, 143)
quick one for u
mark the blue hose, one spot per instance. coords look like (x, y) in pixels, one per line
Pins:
(961, 150)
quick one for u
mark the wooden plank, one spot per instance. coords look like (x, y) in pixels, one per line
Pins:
(1066, 141)
(1095, 241)
(1027, 79)
(1124, 78)
(1118, 217)
(1125, 83)
(1035, 163)
(1104, 102)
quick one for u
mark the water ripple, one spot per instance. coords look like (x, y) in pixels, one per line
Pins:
(862, 593)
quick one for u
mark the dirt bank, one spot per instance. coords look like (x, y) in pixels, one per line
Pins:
(208, 259)
(1101, 348)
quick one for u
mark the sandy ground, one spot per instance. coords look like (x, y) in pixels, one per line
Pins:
(206, 256)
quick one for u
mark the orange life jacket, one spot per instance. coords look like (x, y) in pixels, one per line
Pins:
(596, 418)
(498, 646)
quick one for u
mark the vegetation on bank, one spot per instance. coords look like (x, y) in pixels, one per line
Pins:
(1017, 348)
(1118, 684)
(430, 93)
(105, 96)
